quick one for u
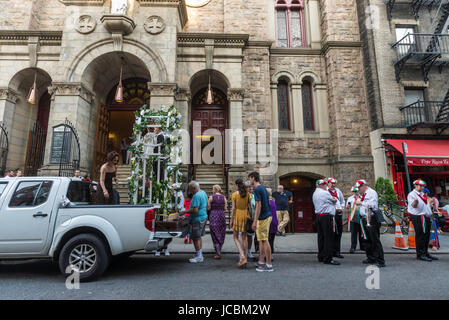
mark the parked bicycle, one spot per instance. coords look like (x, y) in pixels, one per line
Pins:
(395, 212)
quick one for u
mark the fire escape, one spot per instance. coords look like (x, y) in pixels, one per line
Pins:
(424, 50)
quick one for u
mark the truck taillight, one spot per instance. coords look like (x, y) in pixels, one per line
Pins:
(150, 219)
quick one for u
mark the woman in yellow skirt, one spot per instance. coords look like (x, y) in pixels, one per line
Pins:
(241, 203)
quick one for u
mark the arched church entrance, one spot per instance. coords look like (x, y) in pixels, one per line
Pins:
(208, 142)
(302, 185)
(115, 119)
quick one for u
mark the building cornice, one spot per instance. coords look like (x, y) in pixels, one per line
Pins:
(295, 52)
(328, 45)
(82, 2)
(198, 39)
(22, 37)
(70, 89)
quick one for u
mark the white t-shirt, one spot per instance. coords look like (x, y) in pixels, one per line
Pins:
(422, 208)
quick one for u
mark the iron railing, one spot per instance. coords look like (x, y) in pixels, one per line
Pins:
(422, 44)
(422, 112)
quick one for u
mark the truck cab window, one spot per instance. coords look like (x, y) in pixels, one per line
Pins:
(30, 193)
(79, 192)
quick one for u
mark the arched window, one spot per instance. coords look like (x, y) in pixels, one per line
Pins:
(283, 105)
(290, 23)
(307, 105)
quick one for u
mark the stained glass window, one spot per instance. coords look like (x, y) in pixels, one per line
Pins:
(307, 106)
(201, 97)
(289, 23)
(135, 92)
(283, 106)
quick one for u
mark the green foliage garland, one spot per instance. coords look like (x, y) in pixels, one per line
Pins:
(172, 148)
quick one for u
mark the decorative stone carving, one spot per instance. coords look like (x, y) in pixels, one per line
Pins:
(118, 26)
(162, 89)
(209, 51)
(236, 94)
(70, 89)
(183, 94)
(8, 94)
(85, 24)
(154, 25)
(33, 48)
(197, 3)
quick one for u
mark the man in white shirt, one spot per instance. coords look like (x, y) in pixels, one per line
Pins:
(324, 205)
(419, 208)
(339, 205)
(368, 202)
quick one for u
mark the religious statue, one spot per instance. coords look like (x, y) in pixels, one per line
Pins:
(121, 6)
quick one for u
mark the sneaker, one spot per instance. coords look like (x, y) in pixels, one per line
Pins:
(265, 268)
(259, 265)
(166, 253)
(157, 254)
(197, 259)
(250, 255)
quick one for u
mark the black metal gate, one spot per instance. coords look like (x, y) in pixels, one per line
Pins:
(70, 151)
(4, 146)
(35, 150)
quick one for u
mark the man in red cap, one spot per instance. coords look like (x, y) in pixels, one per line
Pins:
(368, 202)
(324, 205)
(420, 211)
(339, 205)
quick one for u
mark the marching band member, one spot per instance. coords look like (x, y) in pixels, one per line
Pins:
(368, 202)
(339, 205)
(419, 208)
(354, 221)
(324, 205)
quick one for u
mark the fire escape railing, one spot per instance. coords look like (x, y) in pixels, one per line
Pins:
(426, 114)
(415, 5)
(422, 49)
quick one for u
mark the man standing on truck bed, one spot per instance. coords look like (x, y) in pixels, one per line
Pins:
(197, 219)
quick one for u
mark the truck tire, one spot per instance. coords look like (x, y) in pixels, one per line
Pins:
(86, 253)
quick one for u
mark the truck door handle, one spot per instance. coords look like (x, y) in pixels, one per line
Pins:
(40, 214)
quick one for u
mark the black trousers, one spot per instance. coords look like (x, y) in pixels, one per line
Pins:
(325, 237)
(373, 247)
(356, 235)
(422, 237)
(338, 234)
(271, 237)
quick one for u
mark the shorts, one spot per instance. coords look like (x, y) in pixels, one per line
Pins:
(198, 229)
(263, 228)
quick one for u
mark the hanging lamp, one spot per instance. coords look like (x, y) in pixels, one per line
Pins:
(209, 99)
(119, 91)
(32, 96)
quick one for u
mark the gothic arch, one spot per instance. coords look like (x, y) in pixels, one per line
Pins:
(309, 74)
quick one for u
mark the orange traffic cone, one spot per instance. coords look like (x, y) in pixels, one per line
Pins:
(411, 236)
(399, 241)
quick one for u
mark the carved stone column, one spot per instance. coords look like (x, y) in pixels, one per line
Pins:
(183, 98)
(72, 101)
(8, 99)
(162, 94)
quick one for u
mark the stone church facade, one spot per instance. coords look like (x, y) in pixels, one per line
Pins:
(292, 65)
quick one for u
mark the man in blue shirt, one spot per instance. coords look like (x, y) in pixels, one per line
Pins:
(197, 219)
(261, 224)
(282, 199)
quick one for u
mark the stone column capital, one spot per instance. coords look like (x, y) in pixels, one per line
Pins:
(70, 89)
(158, 89)
(8, 95)
(183, 94)
(296, 86)
(236, 94)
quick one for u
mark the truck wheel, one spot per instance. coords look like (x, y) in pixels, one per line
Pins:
(87, 254)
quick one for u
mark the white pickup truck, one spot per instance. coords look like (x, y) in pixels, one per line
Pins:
(53, 218)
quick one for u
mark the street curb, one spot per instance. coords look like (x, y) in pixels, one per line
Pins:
(289, 252)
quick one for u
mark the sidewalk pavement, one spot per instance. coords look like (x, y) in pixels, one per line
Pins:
(301, 243)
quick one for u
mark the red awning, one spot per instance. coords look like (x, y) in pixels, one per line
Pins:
(427, 153)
